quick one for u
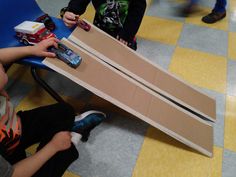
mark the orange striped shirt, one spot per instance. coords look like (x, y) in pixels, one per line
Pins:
(10, 125)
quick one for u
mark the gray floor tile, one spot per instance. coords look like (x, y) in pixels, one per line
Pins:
(52, 7)
(231, 78)
(232, 26)
(17, 90)
(204, 39)
(208, 3)
(112, 149)
(232, 22)
(229, 164)
(165, 9)
(156, 52)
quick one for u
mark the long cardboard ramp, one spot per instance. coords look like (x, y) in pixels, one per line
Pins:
(133, 97)
(141, 69)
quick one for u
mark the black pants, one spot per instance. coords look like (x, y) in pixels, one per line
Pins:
(40, 125)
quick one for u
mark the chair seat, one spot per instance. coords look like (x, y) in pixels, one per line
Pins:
(22, 11)
(27, 10)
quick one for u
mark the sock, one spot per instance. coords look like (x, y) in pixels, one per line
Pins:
(75, 139)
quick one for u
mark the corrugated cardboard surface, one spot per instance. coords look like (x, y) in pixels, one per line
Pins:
(136, 66)
(128, 94)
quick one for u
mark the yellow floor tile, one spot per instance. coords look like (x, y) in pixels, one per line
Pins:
(32, 149)
(23, 73)
(230, 124)
(231, 48)
(196, 20)
(232, 5)
(161, 30)
(37, 97)
(149, 2)
(69, 174)
(162, 156)
(89, 14)
(199, 68)
(180, 1)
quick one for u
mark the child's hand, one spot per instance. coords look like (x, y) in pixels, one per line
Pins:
(70, 19)
(61, 141)
(40, 49)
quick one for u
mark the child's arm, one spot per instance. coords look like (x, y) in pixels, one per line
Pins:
(133, 20)
(3, 79)
(8, 55)
(78, 6)
(27, 167)
(73, 11)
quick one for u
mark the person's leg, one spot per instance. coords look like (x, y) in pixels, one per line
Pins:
(193, 1)
(50, 120)
(83, 125)
(57, 165)
(41, 124)
(218, 12)
(220, 6)
(189, 8)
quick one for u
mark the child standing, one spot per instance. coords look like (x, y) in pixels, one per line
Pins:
(119, 18)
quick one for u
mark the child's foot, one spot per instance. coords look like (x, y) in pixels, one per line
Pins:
(213, 17)
(85, 122)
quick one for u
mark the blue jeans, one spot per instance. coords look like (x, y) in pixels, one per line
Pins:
(220, 5)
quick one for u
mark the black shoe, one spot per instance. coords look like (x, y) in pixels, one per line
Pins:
(213, 17)
(86, 122)
(133, 44)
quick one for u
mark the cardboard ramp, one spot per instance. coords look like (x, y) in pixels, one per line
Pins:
(135, 98)
(144, 71)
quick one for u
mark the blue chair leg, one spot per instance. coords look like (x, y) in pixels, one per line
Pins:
(45, 86)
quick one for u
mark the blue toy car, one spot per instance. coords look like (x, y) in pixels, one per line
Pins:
(67, 55)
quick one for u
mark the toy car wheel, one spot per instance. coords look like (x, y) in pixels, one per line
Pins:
(25, 42)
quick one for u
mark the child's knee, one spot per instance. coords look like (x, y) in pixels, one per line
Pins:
(66, 110)
(70, 154)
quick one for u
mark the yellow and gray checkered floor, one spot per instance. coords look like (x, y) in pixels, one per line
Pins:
(123, 146)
